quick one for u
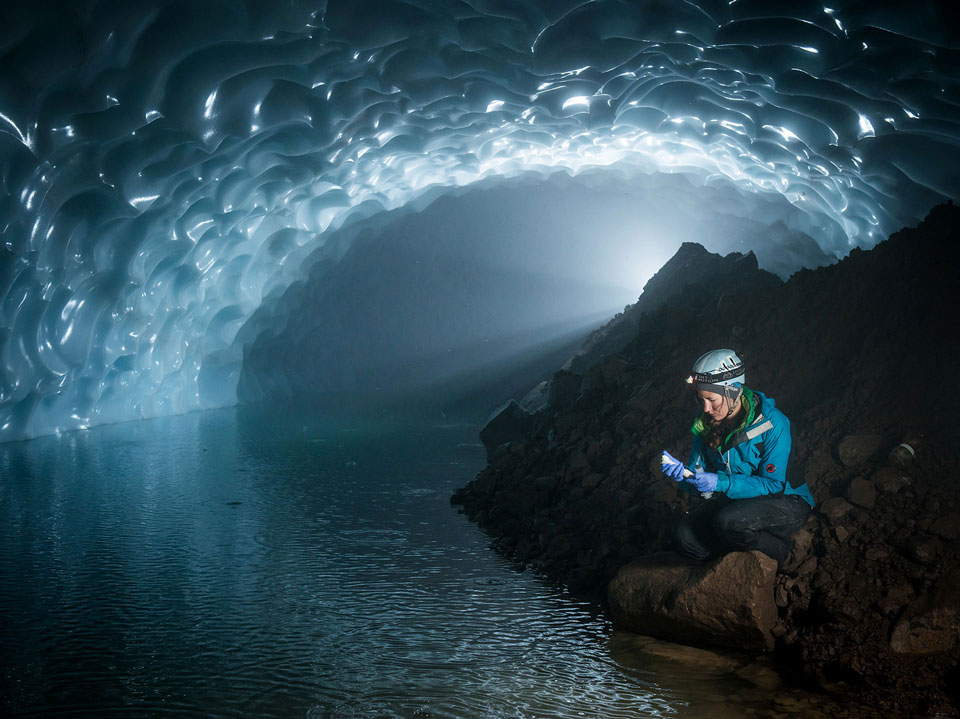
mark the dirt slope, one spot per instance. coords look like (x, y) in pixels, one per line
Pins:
(861, 356)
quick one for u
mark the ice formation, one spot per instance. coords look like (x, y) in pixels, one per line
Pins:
(168, 168)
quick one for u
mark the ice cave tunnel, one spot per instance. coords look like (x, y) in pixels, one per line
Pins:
(217, 201)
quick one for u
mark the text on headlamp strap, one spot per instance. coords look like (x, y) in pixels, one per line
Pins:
(712, 377)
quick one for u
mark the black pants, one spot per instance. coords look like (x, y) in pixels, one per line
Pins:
(720, 525)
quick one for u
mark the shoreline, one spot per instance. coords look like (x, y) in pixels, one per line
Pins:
(870, 606)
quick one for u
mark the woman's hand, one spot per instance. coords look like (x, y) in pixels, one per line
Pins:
(671, 467)
(704, 481)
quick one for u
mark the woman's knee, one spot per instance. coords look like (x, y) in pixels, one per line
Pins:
(730, 520)
(685, 541)
(732, 528)
(741, 539)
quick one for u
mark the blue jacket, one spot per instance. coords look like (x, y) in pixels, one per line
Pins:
(754, 460)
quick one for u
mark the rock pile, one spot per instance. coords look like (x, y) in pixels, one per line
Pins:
(859, 355)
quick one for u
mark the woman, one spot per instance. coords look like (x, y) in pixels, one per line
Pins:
(741, 444)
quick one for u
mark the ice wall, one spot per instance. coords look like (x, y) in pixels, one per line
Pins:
(167, 168)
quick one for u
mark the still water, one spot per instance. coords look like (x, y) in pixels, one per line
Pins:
(266, 563)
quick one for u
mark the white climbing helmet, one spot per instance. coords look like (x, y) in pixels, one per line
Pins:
(720, 371)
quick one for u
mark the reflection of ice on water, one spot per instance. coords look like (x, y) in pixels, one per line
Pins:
(261, 578)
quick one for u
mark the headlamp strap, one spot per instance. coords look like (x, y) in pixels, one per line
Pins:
(714, 377)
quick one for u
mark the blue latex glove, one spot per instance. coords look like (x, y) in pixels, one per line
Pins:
(672, 467)
(704, 481)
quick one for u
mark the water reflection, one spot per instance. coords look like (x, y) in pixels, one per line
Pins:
(259, 563)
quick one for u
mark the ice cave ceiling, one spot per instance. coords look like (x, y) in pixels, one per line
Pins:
(170, 169)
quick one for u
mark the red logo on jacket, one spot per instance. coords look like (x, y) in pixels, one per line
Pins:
(771, 468)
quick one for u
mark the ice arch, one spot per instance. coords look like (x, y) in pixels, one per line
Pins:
(169, 168)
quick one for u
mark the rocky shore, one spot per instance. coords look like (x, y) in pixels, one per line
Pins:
(861, 356)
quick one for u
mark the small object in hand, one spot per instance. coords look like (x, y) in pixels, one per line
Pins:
(673, 467)
(706, 482)
(705, 495)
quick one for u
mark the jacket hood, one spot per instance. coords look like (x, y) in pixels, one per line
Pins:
(767, 403)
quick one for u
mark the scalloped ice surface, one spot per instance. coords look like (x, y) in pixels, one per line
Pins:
(168, 168)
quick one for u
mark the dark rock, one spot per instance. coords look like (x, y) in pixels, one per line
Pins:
(761, 676)
(890, 480)
(506, 424)
(781, 596)
(895, 598)
(899, 538)
(808, 567)
(802, 542)
(636, 650)
(630, 423)
(923, 549)
(855, 449)
(859, 515)
(822, 579)
(579, 463)
(947, 526)
(726, 603)
(546, 483)
(931, 624)
(663, 492)
(845, 610)
(600, 447)
(862, 492)
(537, 398)
(591, 481)
(519, 502)
(835, 508)
(564, 388)
(614, 368)
(636, 515)
(593, 382)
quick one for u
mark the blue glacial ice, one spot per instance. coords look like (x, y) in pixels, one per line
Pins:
(169, 169)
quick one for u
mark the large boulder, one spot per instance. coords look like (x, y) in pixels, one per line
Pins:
(537, 398)
(564, 388)
(855, 449)
(930, 624)
(727, 603)
(862, 492)
(507, 424)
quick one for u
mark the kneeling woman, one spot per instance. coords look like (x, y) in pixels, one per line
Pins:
(741, 444)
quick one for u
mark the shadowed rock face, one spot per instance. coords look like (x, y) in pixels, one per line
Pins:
(507, 424)
(678, 284)
(727, 603)
(856, 355)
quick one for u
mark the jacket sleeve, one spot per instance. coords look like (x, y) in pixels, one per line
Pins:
(770, 474)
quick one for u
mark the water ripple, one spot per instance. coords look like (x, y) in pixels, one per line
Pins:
(143, 592)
